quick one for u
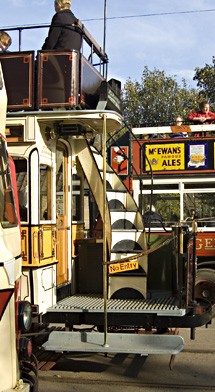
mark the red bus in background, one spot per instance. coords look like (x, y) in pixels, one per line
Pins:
(178, 182)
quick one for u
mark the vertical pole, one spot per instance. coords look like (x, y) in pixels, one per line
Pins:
(180, 266)
(104, 140)
(20, 40)
(104, 38)
(105, 22)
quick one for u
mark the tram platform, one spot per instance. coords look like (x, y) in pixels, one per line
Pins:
(163, 312)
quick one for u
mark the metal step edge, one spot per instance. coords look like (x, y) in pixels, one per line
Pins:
(127, 252)
(124, 211)
(120, 191)
(138, 231)
(94, 304)
(116, 343)
(172, 313)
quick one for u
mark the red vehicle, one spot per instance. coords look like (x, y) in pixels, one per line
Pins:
(178, 180)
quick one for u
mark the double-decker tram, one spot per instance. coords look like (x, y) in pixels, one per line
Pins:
(17, 370)
(182, 189)
(85, 260)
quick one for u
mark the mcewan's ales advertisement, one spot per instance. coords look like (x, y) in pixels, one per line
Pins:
(165, 156)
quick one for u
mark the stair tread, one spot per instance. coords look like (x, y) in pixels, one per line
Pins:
(128, 231)
(120, 251)
(111, 190)
(110, 171)
(121, 210)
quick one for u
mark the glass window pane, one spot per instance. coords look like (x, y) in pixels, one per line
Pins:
(7, 210)
(167, 205)
(21, 179)
(45, 193)
(60, 183)
(200, 205)
(76, 197)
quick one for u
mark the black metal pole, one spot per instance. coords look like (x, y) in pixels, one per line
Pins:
(20, 40)
(104, 38)
(105, 21)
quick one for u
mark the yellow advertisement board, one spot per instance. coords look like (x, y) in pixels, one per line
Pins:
(168, 156)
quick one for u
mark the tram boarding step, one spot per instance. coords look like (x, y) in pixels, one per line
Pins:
(94, 303)
(93, 342)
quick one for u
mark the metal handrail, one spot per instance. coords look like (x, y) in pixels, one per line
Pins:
(92, 43)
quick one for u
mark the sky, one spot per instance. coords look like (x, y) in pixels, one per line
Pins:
(174, 36)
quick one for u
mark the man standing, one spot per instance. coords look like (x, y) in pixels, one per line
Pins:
(203, 115)
(62, 33)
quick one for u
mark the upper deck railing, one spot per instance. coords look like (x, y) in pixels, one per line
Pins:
(95, 48)
(81, 76)
(170, 130)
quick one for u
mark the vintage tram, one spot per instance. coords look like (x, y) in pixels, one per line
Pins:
(84, 249)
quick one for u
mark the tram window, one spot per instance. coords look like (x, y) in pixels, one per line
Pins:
(161, 187)
(87, 211)
(203, 205)
(7, 204)
(45, 192)
(167, 205)
(21, 180)
(202, 185)
(76, 198)
(15, 133)
(60, 186)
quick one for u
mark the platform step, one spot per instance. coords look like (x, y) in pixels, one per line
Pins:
(115, 343)
(94, 303)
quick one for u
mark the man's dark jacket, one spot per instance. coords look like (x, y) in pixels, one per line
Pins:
(61, 34)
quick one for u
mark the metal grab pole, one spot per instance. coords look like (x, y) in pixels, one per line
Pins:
(105, 23)
(104, 141)
(20, 40)
(104, 37)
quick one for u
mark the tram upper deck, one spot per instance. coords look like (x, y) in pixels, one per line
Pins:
(49, 80)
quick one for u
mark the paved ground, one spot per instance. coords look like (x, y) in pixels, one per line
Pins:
(194, 370)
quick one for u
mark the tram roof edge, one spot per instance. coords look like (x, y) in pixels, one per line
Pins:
(93, 119)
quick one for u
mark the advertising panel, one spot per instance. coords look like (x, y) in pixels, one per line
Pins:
(169, 156)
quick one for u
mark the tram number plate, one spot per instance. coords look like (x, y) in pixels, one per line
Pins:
(122, 267)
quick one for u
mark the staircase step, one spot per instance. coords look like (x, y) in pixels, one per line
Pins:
(126, 220)
(117, 199)
(118, 191)
(116, 205)
(127, 286)
(120, 254)
(113, 181)
(131, 241)
(123, 224)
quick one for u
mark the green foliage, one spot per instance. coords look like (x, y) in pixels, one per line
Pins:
(157, 99)
(205, 78)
